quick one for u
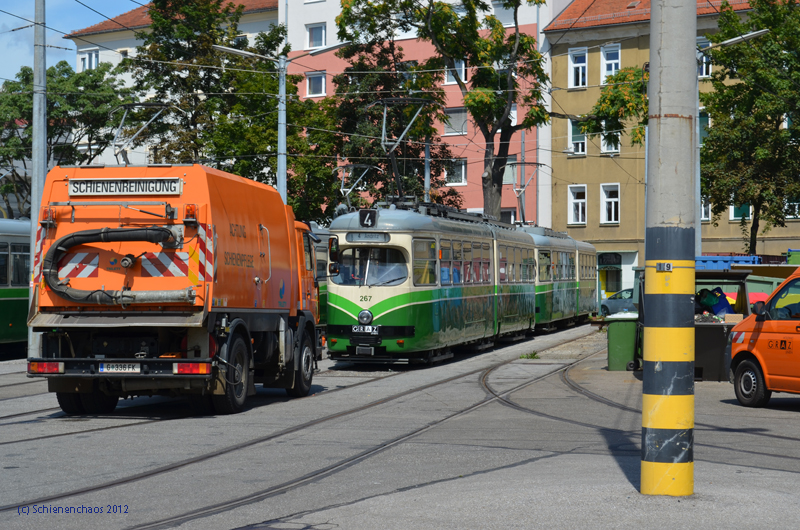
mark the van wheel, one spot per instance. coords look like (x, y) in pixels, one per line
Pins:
(70, 403)
(237, 372)
(302, 378)
(96, 402)
(749, 385)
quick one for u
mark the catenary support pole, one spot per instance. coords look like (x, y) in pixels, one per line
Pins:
(282, 127)
(428, 169)
(667, 466)
(39, 149)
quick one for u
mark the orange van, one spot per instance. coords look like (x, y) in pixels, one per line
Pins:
(761, 349)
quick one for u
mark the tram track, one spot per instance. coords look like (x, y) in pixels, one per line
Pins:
(285, 486)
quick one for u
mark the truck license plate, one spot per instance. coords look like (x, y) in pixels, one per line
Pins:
(119, 368)
(372, 330)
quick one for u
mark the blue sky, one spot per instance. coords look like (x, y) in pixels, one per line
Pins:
(16, 47)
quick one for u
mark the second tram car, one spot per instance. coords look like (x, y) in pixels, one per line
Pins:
(14, 279)
(406, 286)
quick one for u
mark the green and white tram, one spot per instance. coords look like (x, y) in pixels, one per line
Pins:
(14, 279)
(408, 286)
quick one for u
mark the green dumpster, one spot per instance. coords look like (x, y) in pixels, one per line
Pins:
(621, 340)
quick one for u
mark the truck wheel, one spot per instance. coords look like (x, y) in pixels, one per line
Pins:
(96, 402)
(236, 380)
(749, 385)
(70, 403)
(302, 378)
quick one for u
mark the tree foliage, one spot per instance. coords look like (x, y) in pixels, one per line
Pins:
(750, 156)
(506, 64)
(378, 72)
(82, 113)
(622, 103)
(223, 108)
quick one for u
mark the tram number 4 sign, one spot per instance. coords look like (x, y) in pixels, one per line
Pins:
(367, 218)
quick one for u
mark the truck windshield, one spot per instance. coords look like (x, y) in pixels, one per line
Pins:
(371, 266)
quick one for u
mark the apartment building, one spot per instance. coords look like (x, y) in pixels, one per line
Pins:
(598, 190)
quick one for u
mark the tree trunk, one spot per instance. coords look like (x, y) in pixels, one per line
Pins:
(754, 232)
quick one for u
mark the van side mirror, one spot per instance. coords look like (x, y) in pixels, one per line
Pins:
(333, 249)
(760, 309)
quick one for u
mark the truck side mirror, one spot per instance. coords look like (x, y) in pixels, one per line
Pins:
(333, 249)
(333, 269)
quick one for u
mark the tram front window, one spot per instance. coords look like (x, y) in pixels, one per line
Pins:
(371, 266)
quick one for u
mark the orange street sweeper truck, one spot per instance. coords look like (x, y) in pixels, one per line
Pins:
(170, 280)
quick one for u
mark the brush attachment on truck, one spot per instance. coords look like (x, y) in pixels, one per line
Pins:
(153, 234)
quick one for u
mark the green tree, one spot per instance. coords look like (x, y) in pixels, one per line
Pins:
(750, 156)
(504, 60)
(622, 104)
(222, 107)
(81, 116)
(378, 73)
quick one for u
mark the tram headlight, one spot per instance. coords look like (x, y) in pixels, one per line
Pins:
(365, 317)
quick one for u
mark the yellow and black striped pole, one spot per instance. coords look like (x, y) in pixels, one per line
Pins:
(668, 350)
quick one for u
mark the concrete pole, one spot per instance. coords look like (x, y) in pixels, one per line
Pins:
(282, 127)
(668, 370)
(39, 151)
(427, 169)
(523, 206)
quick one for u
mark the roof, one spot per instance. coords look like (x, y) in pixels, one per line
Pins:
(139, 18)
(594, 13)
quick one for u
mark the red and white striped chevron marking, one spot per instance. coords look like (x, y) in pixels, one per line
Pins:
(165, 264)
(79, 265)
(37, 257)
(205, 252)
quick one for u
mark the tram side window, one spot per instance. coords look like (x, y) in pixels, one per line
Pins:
(424, 262)
(20, 264)
(445, 256)
(466, 252)
(3, 264)
(458, 272)
(523, 271)
(544, 266)
(486, 263)
(572, 266)
(501, 255)
(518, 261)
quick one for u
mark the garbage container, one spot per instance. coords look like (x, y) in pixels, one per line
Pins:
(621, 340)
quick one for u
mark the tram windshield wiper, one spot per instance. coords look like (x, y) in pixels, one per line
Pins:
(386, 281)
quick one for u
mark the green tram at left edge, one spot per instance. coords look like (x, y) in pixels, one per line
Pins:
(406, 286)
(14, 279)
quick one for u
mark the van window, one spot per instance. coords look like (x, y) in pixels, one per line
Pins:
(786, 304)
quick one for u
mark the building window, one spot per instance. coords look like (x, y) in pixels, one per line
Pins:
(510, 172)
(406, 72)
(703, 126)
(613, 280)
(456, 121)
(577, 205)
(610, 206)
(577, 139)
(703, 60)
(738, 213)
(458, 176)
(610, 61)
(503, 14)
(705, 210)
(315, 84)
(316, 36)
(607, 147)
(89, 60)
(793, 208)
(459, 69)
(577, 68)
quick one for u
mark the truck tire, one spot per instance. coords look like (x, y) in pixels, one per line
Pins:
(70, 403)
(302, 378)
(97, 402)
(236, 379)
(749, 385)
